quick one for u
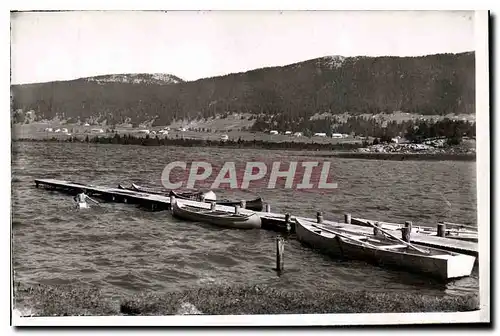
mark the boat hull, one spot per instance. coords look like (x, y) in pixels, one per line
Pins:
(442, 265)
(232, 221)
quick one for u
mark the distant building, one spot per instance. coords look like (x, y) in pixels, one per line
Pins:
(224, 137)
(64, 130)
(337, 136)
(182, 129)
(273, 132)
(97, 130)
(48, 129)
(86, 124)
(57, 130)
(297, 134)
(320, 134)
(288, 132)
(144, 131)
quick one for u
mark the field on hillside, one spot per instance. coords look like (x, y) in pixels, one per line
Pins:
(33, 131)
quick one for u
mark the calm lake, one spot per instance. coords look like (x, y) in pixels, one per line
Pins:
(124, 249)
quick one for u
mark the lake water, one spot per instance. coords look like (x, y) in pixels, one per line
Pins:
(124, 249)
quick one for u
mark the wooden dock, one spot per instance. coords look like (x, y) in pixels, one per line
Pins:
(270, 221)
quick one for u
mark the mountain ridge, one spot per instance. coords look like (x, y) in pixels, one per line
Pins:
(433, 84)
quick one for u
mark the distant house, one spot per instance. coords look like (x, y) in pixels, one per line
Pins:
(288, 132)
(86, 124)
(395, 140)
(64, 130)
(337, 136)
(97, 130)
(224, 137)
(273, 132)
(57, 130)
(144, 131)
(48, 129)
(320, 134)
(182, 129)
(297, 134)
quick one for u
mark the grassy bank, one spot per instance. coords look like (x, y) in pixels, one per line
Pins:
(45, 300)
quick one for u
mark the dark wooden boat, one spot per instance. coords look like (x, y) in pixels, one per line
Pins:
(254, 205)
(340, 242)
(216, 217)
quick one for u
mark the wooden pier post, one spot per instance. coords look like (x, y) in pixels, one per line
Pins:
(280, 250)
(347, 218)
(376, 231)
(172, 200)
(406, 232)
(441, 230)
(237, 209)
(319, 217)
(243, 204)
(287, 222)
(268, 207)
(213, 205)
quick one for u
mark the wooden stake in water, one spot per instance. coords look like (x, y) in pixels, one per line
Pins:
(268, 208)
(406, 231)
(319, 217)
(441, 230)
(347, 218)
(287, 222)
(280, 250)
(243, 204)
(212, 205)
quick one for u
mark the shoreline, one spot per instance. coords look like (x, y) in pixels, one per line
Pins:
(404, 156)
(76, 300)
(338, 150)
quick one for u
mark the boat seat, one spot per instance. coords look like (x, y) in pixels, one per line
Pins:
(392, 246)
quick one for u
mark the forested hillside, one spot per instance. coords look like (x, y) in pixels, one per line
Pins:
(436, 84)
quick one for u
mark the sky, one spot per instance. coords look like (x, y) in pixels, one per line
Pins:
(48, 46)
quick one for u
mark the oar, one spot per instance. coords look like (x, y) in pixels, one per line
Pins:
(344, 236)
(399, 240)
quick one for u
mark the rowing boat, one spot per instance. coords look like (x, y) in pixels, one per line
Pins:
(254, 205)
(335, 241)
(216, 217)
(455, 231)
(135, 187)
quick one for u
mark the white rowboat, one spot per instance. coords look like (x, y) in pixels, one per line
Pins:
(384, 251)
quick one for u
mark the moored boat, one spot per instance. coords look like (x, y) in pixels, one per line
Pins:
(255, 205)
(453, 231)
(393, 253)
(216, 217)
